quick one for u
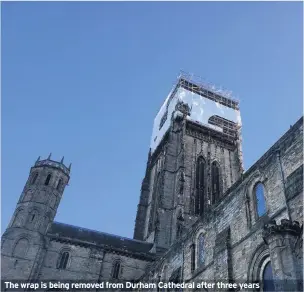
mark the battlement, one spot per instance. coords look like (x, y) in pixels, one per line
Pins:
(52, 163)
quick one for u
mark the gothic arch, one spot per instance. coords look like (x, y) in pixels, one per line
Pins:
(251, 196)
(200, 249)
(200, 185)
(196, 247)
(259, 200)
(216, 182)
(197, 229)
(48, 179)
(64, 258)
(116, 269)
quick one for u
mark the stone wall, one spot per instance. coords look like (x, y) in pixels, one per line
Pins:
(89, 263)
(235, 218)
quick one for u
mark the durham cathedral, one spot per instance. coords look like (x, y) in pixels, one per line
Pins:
(200, 216)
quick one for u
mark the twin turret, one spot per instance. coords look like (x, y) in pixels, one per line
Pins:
(23, 242)
(38, 203)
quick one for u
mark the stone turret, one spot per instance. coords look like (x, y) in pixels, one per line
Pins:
(23, 240)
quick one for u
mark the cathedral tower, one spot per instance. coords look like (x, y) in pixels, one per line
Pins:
(23, 241)
(195, 156)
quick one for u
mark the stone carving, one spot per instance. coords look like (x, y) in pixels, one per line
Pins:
(183, 108)
(287, 226)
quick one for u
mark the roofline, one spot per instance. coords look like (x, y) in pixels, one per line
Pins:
(100, 232)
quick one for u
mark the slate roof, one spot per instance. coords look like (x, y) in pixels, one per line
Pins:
(66, 231)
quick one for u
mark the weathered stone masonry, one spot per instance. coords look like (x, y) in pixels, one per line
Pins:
(237, 245)
(200, 217)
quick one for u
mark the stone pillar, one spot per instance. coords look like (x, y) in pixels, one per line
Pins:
(281, 240)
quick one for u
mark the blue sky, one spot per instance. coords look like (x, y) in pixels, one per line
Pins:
(85, 80)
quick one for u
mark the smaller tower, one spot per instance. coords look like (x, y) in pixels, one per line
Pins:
(23, 241)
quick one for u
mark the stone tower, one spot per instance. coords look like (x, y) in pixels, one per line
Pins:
(195, 156)
(23, 242)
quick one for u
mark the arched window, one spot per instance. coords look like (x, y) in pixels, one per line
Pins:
(200, 185)
(116, 270)
(268, 284)
(260, 199)
(34, 178)
(63, 261)
(21, 248)
(192, 256)
(59, 184)
(215, 180)
(48, 178)
(201, 250)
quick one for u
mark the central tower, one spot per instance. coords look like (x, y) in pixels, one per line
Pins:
(195, 156)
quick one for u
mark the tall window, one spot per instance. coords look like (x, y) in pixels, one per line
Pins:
(63, 260)
(260, 199)
(192, 251)
(200, 185)
(59, 184)
(48, 178)
(201, 250)
(215, 179)
(34, 178)
(268, 284)
(116, 270)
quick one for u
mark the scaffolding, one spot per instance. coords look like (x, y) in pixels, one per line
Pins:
(197, 85)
